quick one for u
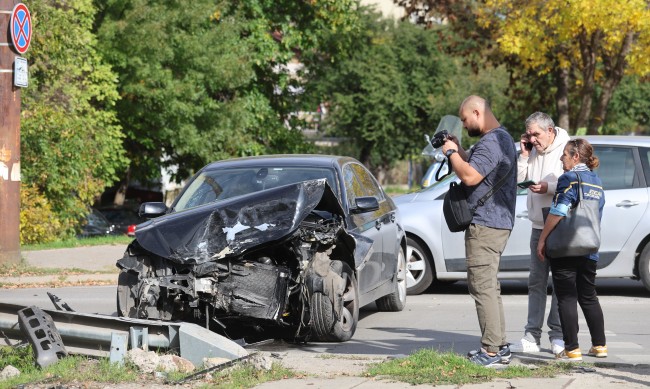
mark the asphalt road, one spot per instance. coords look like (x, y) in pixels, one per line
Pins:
(444, 320)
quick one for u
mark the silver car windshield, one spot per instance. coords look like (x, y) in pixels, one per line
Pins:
(221, 184)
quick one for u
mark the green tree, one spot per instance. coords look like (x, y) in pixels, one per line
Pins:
(630, 108)
(207, 81)
(387, 93)
(577, 51)
(601, 41)
(71, 141)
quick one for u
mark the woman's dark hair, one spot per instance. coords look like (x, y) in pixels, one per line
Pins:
(585, 151)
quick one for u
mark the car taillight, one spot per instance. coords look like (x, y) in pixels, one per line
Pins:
(130, 230)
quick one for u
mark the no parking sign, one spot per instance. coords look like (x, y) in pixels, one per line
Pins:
(21, 28)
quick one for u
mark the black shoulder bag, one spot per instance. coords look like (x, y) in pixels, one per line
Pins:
(457, 212)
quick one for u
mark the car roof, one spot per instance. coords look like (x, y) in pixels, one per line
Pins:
(617, 140)
(316, 160)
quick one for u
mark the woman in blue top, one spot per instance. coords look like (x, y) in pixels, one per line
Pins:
(574, 278)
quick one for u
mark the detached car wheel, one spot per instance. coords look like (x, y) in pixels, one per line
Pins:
(419, 266)
(329, 325)
(396, 301)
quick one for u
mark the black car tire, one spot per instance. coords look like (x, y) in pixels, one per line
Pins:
(396, 301)
(644, 267)
(126, 304)
(325, 324)
(424, 274)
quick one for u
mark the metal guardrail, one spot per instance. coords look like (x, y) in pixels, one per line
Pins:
(91, 334)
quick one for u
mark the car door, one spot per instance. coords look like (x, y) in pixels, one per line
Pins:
(386, 221)
(626, 197)
(516, 255)
(368, 224)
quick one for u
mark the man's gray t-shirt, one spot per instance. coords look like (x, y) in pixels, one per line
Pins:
(494, 156)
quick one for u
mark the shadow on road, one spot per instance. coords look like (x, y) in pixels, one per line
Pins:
(606, 287)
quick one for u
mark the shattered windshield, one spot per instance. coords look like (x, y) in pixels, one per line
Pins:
(214, 185)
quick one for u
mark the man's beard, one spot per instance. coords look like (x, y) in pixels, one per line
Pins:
(474, 131)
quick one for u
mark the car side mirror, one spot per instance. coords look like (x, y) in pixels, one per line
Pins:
(151, 210)
(365, 204)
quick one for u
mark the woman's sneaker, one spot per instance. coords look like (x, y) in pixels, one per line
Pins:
(504, 353)
(524, 346)
(598, 351)
(570, 355)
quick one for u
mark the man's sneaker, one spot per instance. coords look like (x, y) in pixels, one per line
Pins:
(484, 359)
(570, 355)
(524, 346)
(504, 352)
(557, 346)
(598, 351)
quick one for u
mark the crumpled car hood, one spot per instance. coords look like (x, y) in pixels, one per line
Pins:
(230, 227)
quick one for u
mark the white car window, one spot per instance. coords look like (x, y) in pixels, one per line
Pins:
(617, 169)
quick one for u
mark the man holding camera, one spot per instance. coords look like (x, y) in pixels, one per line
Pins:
(539, 161)
(492, 159)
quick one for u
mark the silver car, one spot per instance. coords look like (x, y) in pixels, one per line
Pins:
(435, 254)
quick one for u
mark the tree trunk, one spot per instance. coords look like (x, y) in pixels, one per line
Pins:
(364, 156)
(588, 54)
(562, 98)
(120, 195)
(614, 68)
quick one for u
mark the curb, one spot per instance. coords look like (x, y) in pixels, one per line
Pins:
(59, 280)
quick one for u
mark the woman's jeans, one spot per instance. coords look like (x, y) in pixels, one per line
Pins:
(574, 283)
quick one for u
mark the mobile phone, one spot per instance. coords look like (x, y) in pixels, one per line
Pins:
(526, 184)
(529, 146)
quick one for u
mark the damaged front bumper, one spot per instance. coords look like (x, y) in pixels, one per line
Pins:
(249, 262)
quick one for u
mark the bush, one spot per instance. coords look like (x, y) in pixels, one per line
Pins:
(38, 222)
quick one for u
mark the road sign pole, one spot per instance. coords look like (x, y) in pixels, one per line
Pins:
(9, 143)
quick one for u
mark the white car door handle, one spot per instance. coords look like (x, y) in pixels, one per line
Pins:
(627, 203)
(523, 215)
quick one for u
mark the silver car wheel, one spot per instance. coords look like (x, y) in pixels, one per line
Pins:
(416, 265)
(419, 267)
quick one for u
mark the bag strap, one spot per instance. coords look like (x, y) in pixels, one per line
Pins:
(495, 188)
(580, 195)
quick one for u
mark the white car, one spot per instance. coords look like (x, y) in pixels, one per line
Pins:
(435, 254)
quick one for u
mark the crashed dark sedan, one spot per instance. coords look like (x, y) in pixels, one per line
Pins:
(279, 246)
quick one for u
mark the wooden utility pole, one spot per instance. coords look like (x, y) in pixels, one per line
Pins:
(9, 141)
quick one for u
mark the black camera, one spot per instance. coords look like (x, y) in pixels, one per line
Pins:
(439, 139)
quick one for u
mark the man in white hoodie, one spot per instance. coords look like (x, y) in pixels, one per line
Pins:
(541, 164)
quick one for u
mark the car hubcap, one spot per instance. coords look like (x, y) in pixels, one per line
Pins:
(415, 267)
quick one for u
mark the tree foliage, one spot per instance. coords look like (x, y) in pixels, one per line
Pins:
(576, 52)
(71, 141)
(587, 46)
(385, 95)
(207, 81)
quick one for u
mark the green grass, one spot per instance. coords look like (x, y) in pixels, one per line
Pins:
(72, 369)
(80, 371)
(79, 242)
(247, 376)
(430, 367)
(425, 366)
